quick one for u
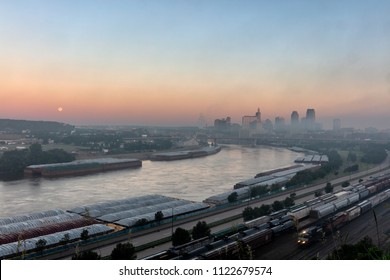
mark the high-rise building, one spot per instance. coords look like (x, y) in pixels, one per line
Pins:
(310, 115)
(222, 123)
(310, 120)
(252, 122)
(279, 124)
(294, 126)
(336, 124)
(294, 118)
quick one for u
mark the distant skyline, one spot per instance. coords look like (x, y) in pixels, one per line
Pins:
(168, 62)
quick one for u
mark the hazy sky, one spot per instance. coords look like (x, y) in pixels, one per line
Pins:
(166, 62)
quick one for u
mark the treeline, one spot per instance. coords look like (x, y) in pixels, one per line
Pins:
(116, 141)
(307, 176)
(250, 213)
(140, 145)
(13, 163)
(374, 154)
(17, 126)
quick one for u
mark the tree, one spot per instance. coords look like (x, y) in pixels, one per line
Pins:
(40, 245)
(264, 209)
(233, 197)
(352, 157)
(328, 188)
(84, 235)
(345, 184)
(180, 237)
(318, 193)
(65, 239)
(201, 229)
(248, 214)
(86, 255)
(363, 250)
(277, 205)
(275, 187)
(158, 216)
(288, 202)
(12, 164)
(141, 222)
(123, 251)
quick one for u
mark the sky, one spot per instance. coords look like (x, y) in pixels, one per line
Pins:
(168, 62)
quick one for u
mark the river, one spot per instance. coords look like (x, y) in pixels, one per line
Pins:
(192, 179)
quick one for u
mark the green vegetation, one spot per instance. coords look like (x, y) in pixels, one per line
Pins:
(40, 245)
(158, 216)
(258, 191)
(363, 250)
(180, 237)
(250, 213)
(36, 127)
(343, 158)
(374, 154)
(84, 236)
(232, 197)
(13, 163)
(200, 230)
(87, 255)
(328, 188)
(124, 251)
(141, 222)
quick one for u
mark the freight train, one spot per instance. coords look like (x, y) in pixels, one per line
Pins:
(227, 244)
(359, 198)
(328, 204)
(317, 232)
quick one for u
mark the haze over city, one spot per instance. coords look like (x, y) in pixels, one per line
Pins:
(168, 62)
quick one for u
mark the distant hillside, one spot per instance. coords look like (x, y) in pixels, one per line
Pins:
(17, 126)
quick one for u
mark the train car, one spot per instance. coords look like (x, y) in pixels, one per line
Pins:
(353, 213)
(278, 214)
(314, 202)
(257, 221)
(258, 239)
(277, 230)
(336, 222)
(353, 198)
(289, 225)
(192, 245)
(363, 193)
(274, 223)
(322, 211)
(364, 206)
(372, 189)
(300, 213)
(285, 218)
(220, 253)
(263, 226)
(163, 255)
(341, 203)
(375, 200)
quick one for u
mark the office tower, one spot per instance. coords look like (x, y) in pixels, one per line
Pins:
(336, 124)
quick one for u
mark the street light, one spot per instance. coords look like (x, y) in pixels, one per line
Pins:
(172, 222)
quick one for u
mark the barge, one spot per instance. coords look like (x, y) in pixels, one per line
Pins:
(81, 167)
(178, 155)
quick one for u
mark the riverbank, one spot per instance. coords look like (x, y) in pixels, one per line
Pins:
(145, 155)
